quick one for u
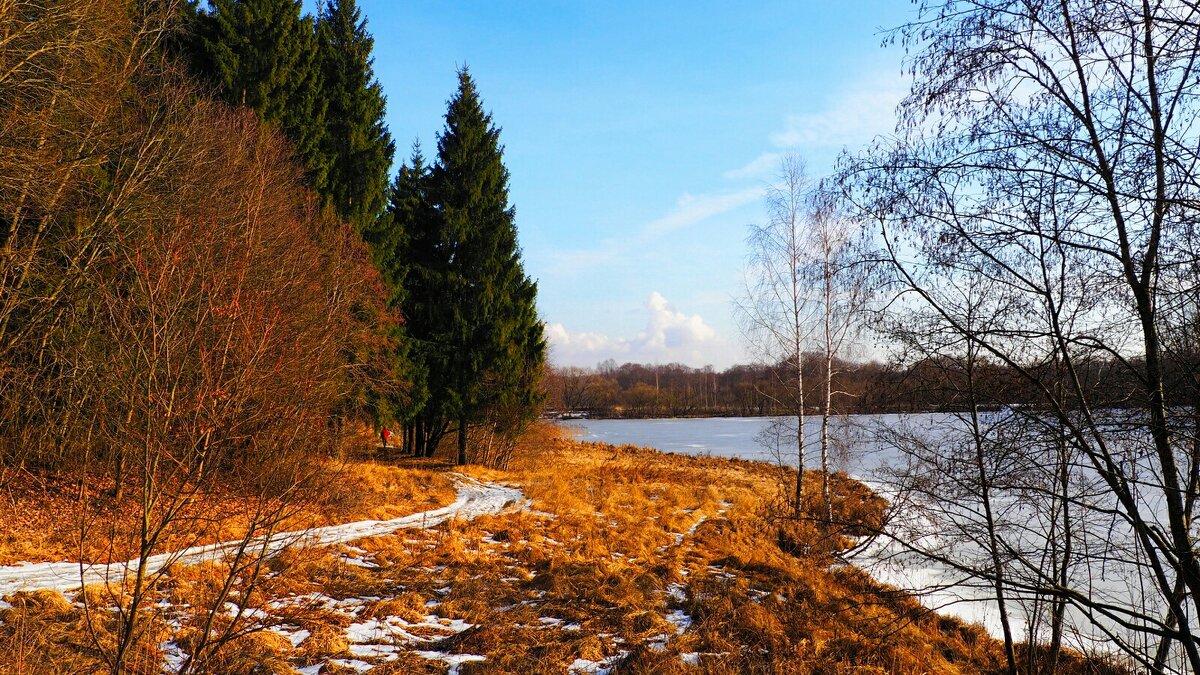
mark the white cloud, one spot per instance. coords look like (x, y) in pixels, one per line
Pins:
(669, 329)
(854, 116)
(669, 336)
(758, 167)
(691, 209)
(563, 341)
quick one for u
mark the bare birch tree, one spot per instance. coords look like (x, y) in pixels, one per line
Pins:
(841, 269)
(776, 310)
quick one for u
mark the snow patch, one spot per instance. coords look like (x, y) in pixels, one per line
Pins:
(173, 657)
(370, 651)
(294, 636)
(360, 562)
(475, 498)
(353, 664)
(602, 667)
(452, 660)
(680, 619)
(395, 629)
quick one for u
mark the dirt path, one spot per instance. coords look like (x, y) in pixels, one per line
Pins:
(475, 498)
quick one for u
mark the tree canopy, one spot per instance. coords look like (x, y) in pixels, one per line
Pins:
(264, 54)
(356, 144)
(450, 242)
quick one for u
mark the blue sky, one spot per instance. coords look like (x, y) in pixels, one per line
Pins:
(639, 137)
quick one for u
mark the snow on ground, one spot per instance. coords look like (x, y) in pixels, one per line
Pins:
(603, 667)
(395, 629)
(373, 641)
(381, 639)
(452, 660)
(681, 620)
(475, 498)
(173, 657)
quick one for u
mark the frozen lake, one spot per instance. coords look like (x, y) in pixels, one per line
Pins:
(717, 436)
(859, 450)
(855, 449)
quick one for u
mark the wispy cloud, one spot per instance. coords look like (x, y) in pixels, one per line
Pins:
(853, 116)
(571, 261)
(758, 167)
(689, 210)
(669, 336)
(692, 209)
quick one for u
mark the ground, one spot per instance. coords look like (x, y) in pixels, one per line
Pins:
(41, 509)
(619, 559)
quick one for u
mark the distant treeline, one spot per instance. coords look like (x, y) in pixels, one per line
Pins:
(637, 390)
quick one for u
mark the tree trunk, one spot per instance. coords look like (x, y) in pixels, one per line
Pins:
(799, 437)
(119, 476)
(462, 442)
(825, 413)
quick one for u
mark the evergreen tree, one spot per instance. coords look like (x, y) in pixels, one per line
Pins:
(494, 347)
(403, 242)
(263, 54)
(447, 248)
(356, 143)
(406, 217)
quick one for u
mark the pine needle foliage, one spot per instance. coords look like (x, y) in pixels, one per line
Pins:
(495, 341)
(448, 248)
(264, 54)
(357, 144)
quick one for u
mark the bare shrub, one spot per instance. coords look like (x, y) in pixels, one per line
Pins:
(175, 311)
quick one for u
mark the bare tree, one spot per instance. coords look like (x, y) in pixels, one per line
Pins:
(71, 165)
(840, 266)
(776, 310)
(178, 318)
(1052, 150)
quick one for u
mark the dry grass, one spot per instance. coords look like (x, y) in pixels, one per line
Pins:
(41, 512)
(42, 632)
(638, 560)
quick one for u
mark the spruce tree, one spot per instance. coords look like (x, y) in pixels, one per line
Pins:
(263, 54)
(403, 242)
(494, 348)
(356, 143)
(447, 248)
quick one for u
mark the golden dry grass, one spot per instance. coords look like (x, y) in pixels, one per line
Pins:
(42, 632)
(636, 560)
(41, 512)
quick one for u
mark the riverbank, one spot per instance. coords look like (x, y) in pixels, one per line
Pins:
(617, 558)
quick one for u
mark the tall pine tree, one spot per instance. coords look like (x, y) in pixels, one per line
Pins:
(494, 347)
(405, 244)
(357, 144)
(448, 247)
(263, 54)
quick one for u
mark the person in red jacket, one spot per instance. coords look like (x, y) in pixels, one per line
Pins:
(386, 434)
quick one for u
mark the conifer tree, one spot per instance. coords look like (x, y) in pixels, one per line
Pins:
(447, 248)
(263, 54)
(493, 342)
(356, 143)
(403, 243)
